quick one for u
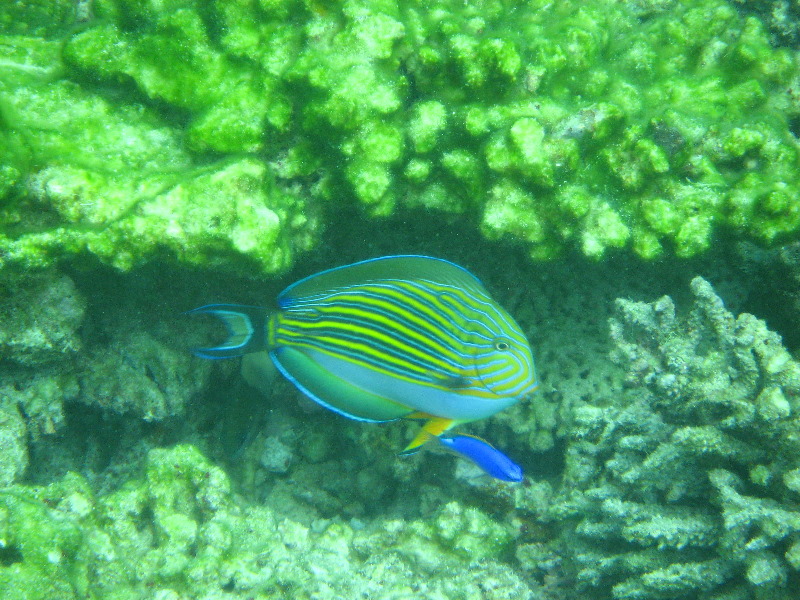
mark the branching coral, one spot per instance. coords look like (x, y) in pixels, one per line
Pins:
(689, 487)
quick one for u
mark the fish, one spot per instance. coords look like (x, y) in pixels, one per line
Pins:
(396, 337)
(491, 460)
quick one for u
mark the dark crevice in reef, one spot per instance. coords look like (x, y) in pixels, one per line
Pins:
(10, 555)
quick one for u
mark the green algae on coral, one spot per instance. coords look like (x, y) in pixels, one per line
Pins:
(590, 125)
(179, 531)
(42, 545)
(45, 18)
(87, 175)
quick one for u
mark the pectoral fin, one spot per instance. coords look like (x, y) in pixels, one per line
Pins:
(434, 427)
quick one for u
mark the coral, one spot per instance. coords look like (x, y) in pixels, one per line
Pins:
(686, 486)
(277, 456)
(42, 540)
(41, 312)
(83, 174)
(779, 16)
(141, 374)
(729, 370)
(179, 531)
(13, 443)
(44, 18)
(126, 364)
(453, 535)
(598, 125)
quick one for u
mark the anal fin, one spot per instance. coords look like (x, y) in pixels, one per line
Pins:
(434, 427)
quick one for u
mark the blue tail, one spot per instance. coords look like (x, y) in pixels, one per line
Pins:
(247, 329)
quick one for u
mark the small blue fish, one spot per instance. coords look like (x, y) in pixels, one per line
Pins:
(487, 457)
(389, 338)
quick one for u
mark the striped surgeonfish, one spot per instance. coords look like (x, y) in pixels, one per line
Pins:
(389, 338)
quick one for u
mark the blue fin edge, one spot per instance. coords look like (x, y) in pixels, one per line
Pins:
(246, 327)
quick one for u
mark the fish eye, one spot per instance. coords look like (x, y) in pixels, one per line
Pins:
(501, 346)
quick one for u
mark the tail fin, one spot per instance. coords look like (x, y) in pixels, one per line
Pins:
(247, 329)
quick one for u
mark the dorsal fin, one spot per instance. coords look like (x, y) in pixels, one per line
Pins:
(403, 267)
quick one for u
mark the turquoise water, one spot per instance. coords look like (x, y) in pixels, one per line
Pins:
(621, 176)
